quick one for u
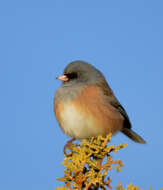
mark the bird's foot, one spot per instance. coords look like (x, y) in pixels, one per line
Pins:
(68, 145)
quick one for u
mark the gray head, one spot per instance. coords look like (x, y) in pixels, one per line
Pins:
(80, 72)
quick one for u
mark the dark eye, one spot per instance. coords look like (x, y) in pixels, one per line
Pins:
(72, 75)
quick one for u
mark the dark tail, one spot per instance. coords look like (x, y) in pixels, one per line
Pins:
(132, 135)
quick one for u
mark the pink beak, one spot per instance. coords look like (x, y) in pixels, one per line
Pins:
(63, 78)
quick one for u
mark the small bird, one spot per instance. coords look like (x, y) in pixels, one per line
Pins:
(85, 105)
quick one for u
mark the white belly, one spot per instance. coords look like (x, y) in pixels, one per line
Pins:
(78, 125)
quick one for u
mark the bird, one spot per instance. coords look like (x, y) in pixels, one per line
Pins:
(85, 105)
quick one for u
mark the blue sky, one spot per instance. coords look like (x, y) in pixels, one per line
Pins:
(124, 39)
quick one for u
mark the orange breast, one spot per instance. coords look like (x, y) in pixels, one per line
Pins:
(93, 104)
(90, 114)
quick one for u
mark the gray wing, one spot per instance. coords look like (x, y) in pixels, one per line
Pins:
(114, 102)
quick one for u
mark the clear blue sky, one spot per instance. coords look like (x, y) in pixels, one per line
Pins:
(123, 38)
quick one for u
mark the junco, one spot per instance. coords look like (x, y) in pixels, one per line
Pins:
(85, 105)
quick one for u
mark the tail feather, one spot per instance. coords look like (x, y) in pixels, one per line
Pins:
(132, 135)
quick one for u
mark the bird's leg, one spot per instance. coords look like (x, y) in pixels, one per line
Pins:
(67, 145)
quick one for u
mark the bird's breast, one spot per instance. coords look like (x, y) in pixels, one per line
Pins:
(76, 124)
(88, 115)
